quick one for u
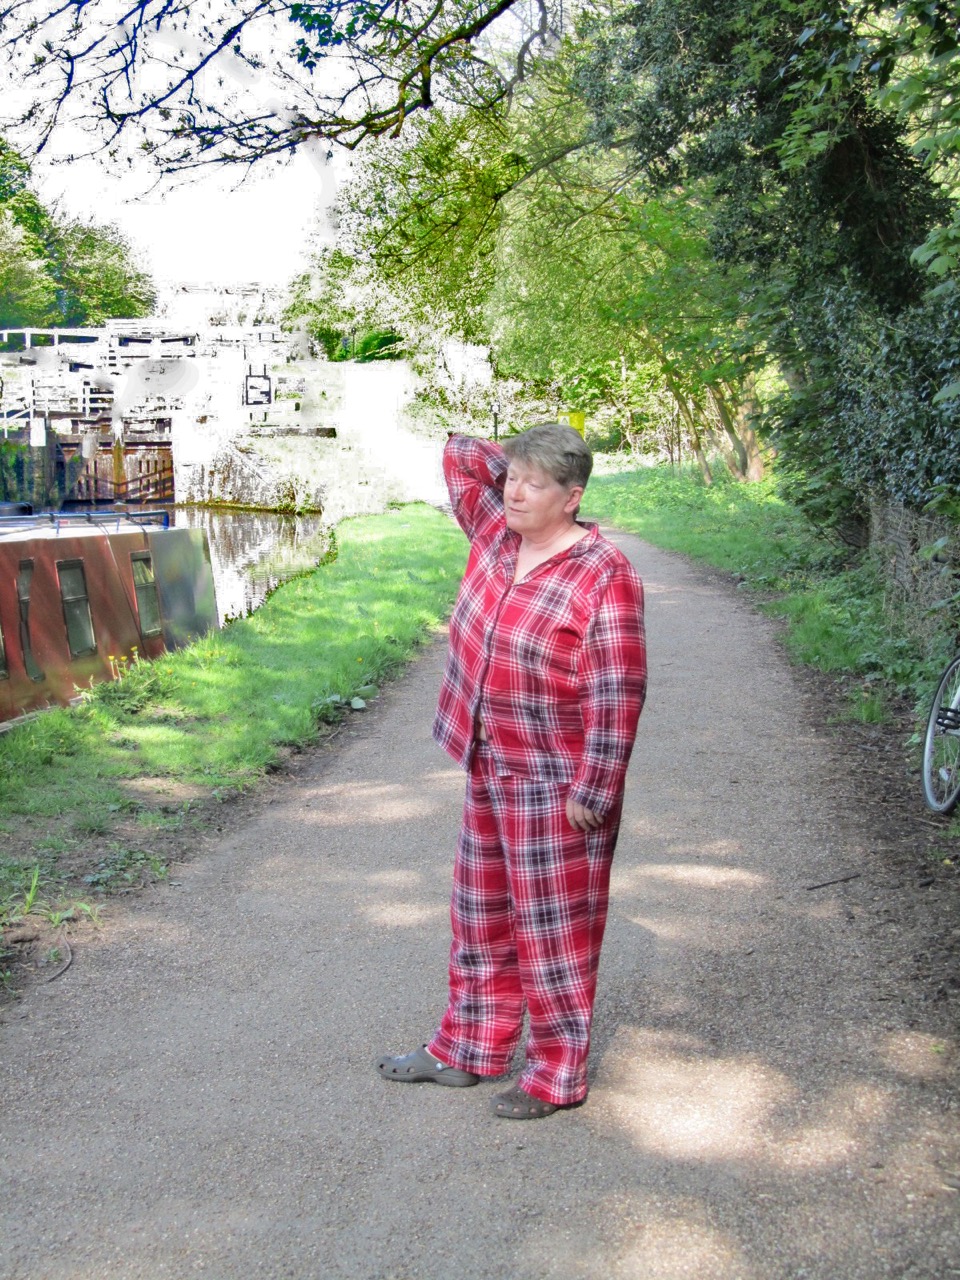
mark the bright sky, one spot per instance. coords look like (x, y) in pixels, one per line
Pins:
(214, 228)
(211, 228)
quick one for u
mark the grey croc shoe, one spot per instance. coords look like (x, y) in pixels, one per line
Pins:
(517, 1104)
(419, 1067)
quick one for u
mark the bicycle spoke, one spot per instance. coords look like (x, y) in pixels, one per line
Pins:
(941, 750)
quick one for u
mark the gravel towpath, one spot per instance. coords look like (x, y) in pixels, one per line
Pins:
(196, 1095)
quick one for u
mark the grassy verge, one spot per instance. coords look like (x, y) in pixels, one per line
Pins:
(838, 617)
(94, 798)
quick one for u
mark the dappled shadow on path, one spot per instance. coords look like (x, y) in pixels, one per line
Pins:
(757, 1108)
(764, 1103)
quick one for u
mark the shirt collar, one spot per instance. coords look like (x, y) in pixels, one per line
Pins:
(511, 540)
(593, 533)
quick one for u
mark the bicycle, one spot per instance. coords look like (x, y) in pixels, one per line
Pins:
(941, 744)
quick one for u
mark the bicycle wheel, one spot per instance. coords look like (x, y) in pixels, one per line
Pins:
(941, 745)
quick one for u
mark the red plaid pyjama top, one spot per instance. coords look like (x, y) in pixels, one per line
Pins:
(554, 665)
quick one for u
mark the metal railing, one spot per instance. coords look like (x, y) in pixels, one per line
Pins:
(66, 520)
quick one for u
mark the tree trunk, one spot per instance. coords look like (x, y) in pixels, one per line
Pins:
(755, 467)
(695, 438)
(684, 406)
(677, 436)
(722, 445)
(702, 462)
(747, 411)
(734, 453)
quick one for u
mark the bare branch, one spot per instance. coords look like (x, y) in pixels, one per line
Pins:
(231, 83)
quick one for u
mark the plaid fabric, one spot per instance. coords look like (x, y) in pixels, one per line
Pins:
(555, 664)
(528, 912)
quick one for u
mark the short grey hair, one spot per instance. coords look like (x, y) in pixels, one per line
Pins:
(556, 449)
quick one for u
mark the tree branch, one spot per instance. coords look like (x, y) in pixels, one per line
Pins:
(228, 84)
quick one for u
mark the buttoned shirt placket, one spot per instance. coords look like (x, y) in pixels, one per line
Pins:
(508, 566)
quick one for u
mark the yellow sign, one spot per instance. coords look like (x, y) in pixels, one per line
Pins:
(576, 419)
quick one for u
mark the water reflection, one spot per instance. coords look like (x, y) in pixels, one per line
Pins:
(252, 552)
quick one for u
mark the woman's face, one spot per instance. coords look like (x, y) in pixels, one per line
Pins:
(535, 504)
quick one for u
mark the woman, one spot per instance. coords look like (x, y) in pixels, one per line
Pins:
(540, 700)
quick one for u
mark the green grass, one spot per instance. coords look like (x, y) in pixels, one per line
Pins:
(123, 867)
(838, 618)
(213, 717)
(745, 529)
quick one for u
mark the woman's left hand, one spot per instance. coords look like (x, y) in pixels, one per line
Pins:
(581, 818)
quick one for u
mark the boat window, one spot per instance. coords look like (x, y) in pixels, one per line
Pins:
(145, 585)
(76, 607)
(24, 579)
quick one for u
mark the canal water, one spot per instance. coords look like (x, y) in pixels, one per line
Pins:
(252, 552)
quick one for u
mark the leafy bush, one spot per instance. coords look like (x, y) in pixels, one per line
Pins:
(876, 410)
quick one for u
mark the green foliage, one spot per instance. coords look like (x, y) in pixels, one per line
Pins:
(718, 99)
(871, 415)
(335, 303)
(376, 346)
(55, 271)
(329, 26)
(95, 275)
(687, 194)
(27, 292)
(690, 192)
(818, 200)
(25, 885)
(123, 867)
(907, 55)
(513, 229)
(425, 210)
(16, 197)
(142, 683)
(24, 890)
(606, 297)
(24, 477)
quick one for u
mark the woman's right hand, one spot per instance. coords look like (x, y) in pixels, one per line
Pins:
(581, 818)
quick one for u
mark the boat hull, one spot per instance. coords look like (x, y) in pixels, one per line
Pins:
(79, 605)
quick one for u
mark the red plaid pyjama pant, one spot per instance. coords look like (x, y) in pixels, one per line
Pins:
(528, 911)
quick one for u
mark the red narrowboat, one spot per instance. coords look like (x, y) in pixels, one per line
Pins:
(82, 596)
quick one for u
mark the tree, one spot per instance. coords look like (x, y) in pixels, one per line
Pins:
(806, 192)
(426, 210)
(701, 92)
(237, 82)
(27, 293)
(511, 228)
(16, 196)
(338, 304)
(616, 300)
(907, 55)
(55, 271)
(95, 273)
(817, 198)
